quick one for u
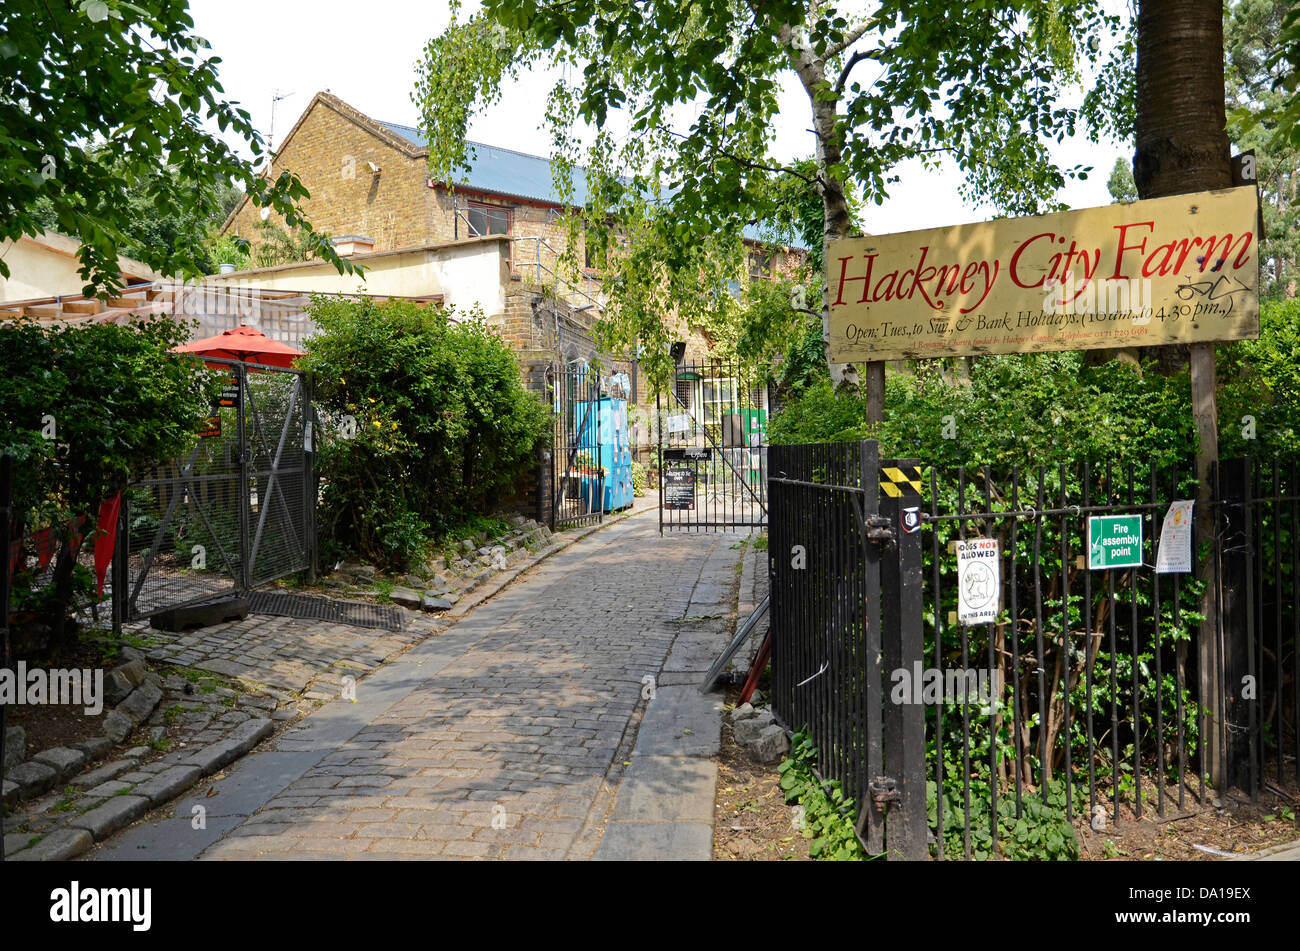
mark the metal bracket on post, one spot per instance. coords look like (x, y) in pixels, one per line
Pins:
(883, 789)
(879, 531)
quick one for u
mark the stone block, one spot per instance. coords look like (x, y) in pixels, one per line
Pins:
(94, 747)
(141, 703)
(201, 615)
(121, 680)
(405, 597)
(15, 746)
(770, 745)
(118, 726)
(64, 761)
(103, 774)
(742, 712)
(169, 784)
(117, 813)
(33, 778)
(58, 846)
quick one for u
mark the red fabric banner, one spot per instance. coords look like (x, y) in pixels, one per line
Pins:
(46, 544)
(106, 538)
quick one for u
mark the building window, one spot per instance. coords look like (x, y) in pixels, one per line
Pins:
(487, 219)
(717, 397)
(760, 266)
(685, 391)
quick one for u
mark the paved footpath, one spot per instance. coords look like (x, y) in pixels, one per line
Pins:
(509, 735)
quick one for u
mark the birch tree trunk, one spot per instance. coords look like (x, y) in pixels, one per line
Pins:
(811, 70)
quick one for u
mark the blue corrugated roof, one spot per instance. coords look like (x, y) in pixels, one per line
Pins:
(505, 171)
(517, 174)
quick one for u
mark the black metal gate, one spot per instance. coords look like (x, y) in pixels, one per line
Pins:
(582, 458)
(845, 611)
(712, 435)
(237, 512)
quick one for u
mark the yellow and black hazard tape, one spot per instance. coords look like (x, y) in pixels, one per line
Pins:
(900, 482)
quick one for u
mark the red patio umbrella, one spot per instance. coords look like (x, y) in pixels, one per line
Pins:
(244, 343)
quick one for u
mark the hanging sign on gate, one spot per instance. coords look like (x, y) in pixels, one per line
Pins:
(1114, 541)
(978, 580)
(210, 427)
(1175, 552)
(679, 487)
(229, 394)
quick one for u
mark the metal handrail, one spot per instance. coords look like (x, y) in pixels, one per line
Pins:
(539, 242)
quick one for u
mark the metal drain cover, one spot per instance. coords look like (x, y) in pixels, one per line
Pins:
(308, 607)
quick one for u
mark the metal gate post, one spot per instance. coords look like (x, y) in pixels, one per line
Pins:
(6, 505)
(243, 577)
(872, 819)
(1235, 539)
(310, 487)
(118, 568)
(659, 461)
(903, 648)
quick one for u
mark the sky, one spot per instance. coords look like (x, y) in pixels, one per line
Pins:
(366, 54)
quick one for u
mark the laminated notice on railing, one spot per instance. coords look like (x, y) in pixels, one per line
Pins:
(978, 580)
(1175, 552)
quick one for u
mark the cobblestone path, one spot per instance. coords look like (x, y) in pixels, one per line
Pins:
(501, 738)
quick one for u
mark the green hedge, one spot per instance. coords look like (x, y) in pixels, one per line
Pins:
(1043, 409)
(427, 422)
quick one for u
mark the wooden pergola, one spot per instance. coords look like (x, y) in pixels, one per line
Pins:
(280, 314)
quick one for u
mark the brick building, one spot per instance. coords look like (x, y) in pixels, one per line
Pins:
(369, 183)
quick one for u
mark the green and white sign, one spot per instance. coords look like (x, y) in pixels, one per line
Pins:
(1114, 541)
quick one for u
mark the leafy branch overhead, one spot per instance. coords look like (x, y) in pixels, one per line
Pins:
(680, 100)
(97, 96)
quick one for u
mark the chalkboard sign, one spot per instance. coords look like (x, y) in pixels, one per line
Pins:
(679, 488)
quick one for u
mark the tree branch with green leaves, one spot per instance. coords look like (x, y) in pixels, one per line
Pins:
(679, 101)
(98, 96)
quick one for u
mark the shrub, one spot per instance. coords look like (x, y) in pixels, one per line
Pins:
(1043, 409)
(443, 424)
(83, 409)
(639, 480)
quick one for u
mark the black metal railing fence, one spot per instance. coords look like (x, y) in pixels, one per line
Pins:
(1100, 692)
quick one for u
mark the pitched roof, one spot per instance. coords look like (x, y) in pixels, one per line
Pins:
(493, 169)
(501, 171)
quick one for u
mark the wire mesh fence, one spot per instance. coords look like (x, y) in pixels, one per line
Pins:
(236, 512)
